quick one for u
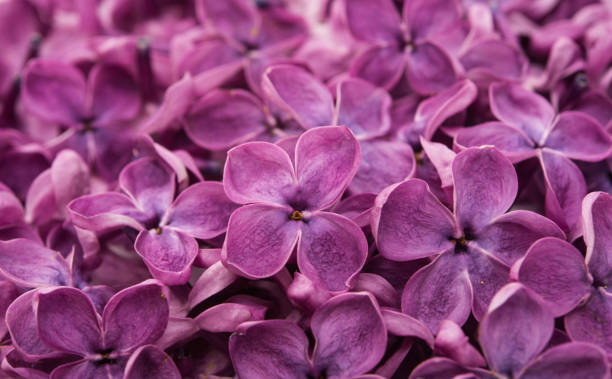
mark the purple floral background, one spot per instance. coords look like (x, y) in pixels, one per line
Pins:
(262, 189)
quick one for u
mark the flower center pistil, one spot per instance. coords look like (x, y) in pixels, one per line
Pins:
(296, 216)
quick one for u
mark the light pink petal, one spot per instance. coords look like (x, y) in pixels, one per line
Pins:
(150, 184)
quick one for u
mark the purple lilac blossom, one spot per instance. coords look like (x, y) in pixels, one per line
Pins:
(348, 189)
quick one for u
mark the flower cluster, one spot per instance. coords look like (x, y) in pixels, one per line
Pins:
(262, 189)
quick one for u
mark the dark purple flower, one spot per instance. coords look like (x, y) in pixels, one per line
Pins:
(167, 228)
(476, 244)
(286, 201)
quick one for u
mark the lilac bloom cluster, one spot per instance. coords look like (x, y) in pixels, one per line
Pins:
(342, 189)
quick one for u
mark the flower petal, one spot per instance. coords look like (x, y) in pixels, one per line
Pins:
(326, 160)
(331, 251)
(152, 363)
(258, 172)
(363, 108)
(223, 119)
(29, 264)
(150, 184)
(135, 316)
(487, 275)
(418, 15)
(235, 18)
(201, 211)
(67, 320)
(351, 335)
(260, 239)
(21, 323)
(216, 278)
(556, 271)
(115, 95)
(409, 222)
(54, 91)
(168, 254)
(400, 324)
(512, 142)
(485, 186)
(570, 360)
(596, 211)
(493, 59)
(453, 343)
(516, 328)
(373, 21)
(439, 291)
(300, 94)
(105, 211)
(379, 65)
(438, 368)
(592, 322)
(383, 163)
(226, 317)
(565, 188)
(579, 136)
(270, 349)
(429, 69)
(70, 177)
(521, 108)
(509, 236)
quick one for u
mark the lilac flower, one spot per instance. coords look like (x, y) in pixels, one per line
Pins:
(513, 336)
(408, 43)
(530, 128)
(92, 110)
(119, 341)
(476, 244)
(167, 229)
(572, 285)
(286, 198)
(350, 339)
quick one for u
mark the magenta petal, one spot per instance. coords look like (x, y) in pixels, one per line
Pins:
(429, 69)
(348, 320)
(21, 323)
(168, 254)
(382, 163)
(567, 361)
(326, 160)
(115, 95)
(11, 209)
(409, 222)
(400, 324)
(516, 328)
(201, 211)
(592, 322)
(419, 14)
(235, 18)
(40, 206)
(512, 142)
(493, 59)
(453, 343)
(270, 349)
(152, 363)
(509, 236)
(54, 91)
(485, 186)
(487, 275)
(70, 177)
(363, 108)
(556, 271)
(150, 183)
(227, 316)
(596, 214)
(300, 94)
(439, 291)
(579, 136)
(223, 119)
(29, 264)
(258, 172)
(332, 250)
(381, 66)
(521, 108)
(84, 368)
(105, 211)
(212, 281)
(260, 239)
(438, 368)
(136, 316)
(67, 320)
(373, 21)
(565, 188)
